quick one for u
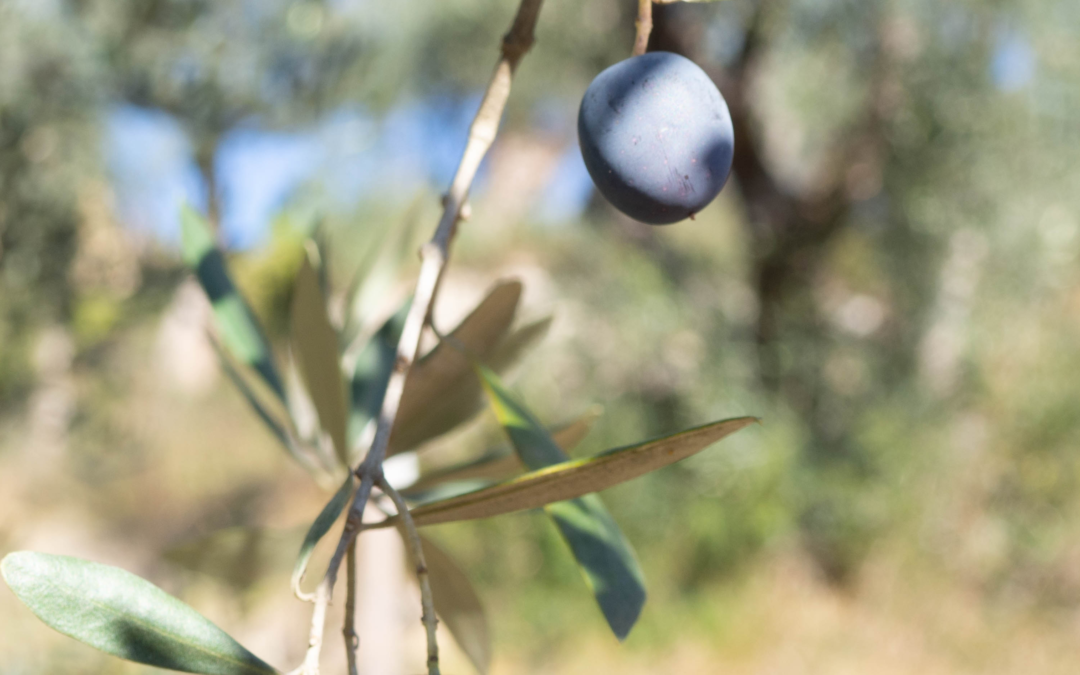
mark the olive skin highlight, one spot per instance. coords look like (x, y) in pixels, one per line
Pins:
(656, 136)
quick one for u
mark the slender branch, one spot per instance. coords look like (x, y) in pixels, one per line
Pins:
(435, 253)
(315, 640)
(353, 522)
(412, 538)
(326, 587)
(352, 640)
(434, 256)
(644, 26)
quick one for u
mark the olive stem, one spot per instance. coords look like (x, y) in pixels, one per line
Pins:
(644, 26)
(310, 666)
(427, 602)
(352, 640)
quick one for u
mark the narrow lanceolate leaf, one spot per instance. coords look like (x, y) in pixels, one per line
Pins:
(457, 604)
(451, 489)
(320, 242)
(573, 479)
(123, 615)
(323, 522)
(273, 420)
(498, 464)
(441, 390)
(380, 266)
(271, 411)
(492, 466)
(239, 330)
(371, 373)
(606, 558)
(516, 343)
(315, 347)
(568, 436)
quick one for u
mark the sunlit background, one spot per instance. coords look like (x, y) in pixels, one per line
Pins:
(890, 280)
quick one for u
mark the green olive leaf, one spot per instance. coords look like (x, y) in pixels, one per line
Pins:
(315, 347)
(372, 370)
(120, 614)
(495, 465)
(498, 464)
(323, 522)
(454, 488)
(275, 420)
(575, 478)
(516, 343)
(385, 253)
(606, 558)
(320, 247)
(239, 330)
(269, 409)
(441, 390)
(568, 436)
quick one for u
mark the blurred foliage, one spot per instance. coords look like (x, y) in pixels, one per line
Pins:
(266, 278)
(916, 382)
(47, 154)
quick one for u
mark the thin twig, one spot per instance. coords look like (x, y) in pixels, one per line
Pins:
(644, 26)
(435, 253)
(434, 256)
(326, 587)
(315, 640)
(352, 640)
(412, 538)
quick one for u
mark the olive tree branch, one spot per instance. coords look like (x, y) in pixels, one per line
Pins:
(412, 539)
(352, 640)
(315, 639)
(326, 586)
(434, 256)
(644, 26)
(435, 253)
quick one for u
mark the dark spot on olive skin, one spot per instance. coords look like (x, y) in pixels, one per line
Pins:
(643, 120)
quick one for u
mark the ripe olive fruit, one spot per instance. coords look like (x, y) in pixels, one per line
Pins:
(656, 137)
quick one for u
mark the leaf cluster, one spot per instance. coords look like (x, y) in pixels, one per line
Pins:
(341, 373)
(323, 406)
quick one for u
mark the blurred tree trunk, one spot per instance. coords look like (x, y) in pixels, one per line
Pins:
(205, 153)
(790, 234)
